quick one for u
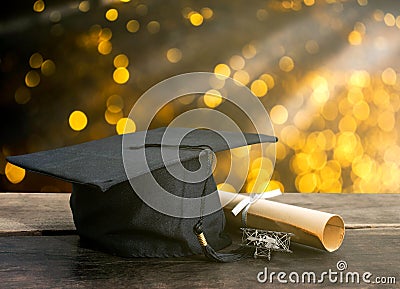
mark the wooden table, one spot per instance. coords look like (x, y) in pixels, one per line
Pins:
(39, 248)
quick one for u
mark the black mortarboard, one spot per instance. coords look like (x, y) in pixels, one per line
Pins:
(109, 213)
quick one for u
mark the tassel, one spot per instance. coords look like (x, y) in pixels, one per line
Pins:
(210, 253)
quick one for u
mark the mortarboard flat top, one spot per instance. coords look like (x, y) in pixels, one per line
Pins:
(100, 162)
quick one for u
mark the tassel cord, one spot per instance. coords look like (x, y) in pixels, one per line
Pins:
(208, 251)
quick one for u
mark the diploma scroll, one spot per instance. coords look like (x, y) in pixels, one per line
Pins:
(310, 227)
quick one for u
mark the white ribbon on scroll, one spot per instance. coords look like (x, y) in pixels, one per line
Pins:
(252, 198)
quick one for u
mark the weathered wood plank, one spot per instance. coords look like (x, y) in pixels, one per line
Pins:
(32, 213)
(60, 262)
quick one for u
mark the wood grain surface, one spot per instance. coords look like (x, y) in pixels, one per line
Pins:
(38, 249)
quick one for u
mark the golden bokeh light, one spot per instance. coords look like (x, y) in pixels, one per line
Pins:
(361, 110)
(360, 27)
(311, 144)
(206, 12)
(105, 34)
(292, 137)
(174, 55)
(392, 175)
(36, 60)
(320, 87)
(300, 163)
(386, 121)
(112, 117)
(274, 185)
(255, 175)
(331, 171)
(212, 98)
(281, 151)
(55, 16)
(121, 75)
(279, 114)
(196, 19)
(39, 6)
(115, 103)
(320, 94)
(378, 15)
(389, 19)
(22, 95)
(347, 148)
(326, 140)
(32, 79)
(309, 2)
(312, 46)
(262, 14)
(302, 120)
(259, 88)
(125, 125)
(142, 9)
(268, 79)
(14, 174)
(317, 160)
(48, 67)
(242, 77)
(355, 95)
(237, 62)
(330, 110)
(355, 38)
(133, 26)
(392, 154)
(78, 120)
(360, 78)
(345, 107)
(381, 98)
(249, 51)
(362, 166)
(389, 76)
(286, 64)
(330, 186)
(263, 163)
(121, 60)
(153, 27)
(104, 47)
(362, 2)
(222, 71)
(84, 6)
(112, 14)
(307, 183)
(347, 123)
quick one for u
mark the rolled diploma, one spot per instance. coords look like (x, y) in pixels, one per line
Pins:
(310, 227)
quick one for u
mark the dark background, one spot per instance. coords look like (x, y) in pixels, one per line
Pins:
(346, 50)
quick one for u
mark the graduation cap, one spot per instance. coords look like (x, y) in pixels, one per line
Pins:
(111, 214)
